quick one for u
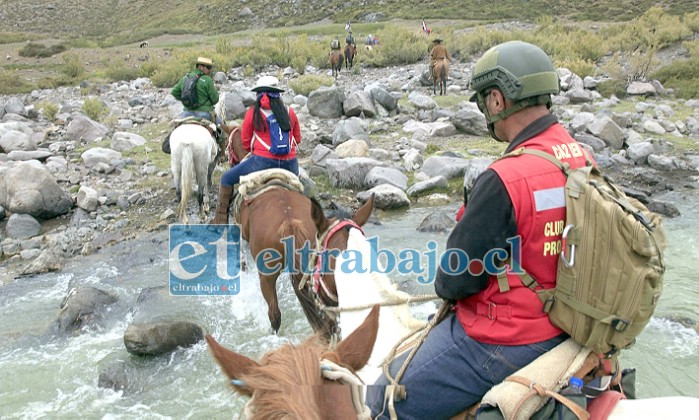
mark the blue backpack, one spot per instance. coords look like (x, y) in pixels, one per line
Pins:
(279, 143)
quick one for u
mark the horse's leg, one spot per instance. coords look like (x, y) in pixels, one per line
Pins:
(268, 285)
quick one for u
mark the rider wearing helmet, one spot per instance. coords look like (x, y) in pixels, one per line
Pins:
(335, 45)
(498, 325)
(349, 39)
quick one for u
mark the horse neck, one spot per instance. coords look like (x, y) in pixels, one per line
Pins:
(359, 289)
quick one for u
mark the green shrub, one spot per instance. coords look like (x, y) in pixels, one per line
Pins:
(223, 46)
(399, 46)
(682, 76)
(12, 37)
(94, 108)
(11, 82)
(49, 109)
(148, 68)
(578, 66)
(72, 66)
(34, 49)
(306, 84)
(120, 72)
(611, 87)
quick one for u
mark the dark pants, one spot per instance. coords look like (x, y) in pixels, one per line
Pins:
(451, 372)
(257, 163)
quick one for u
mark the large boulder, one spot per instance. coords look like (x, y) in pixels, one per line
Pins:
(438, 221)
(122, 140)
(22, 226)
(359, 102)
(30, 189)
(446, 166)
(235, 107)
(154, 338)
(326, 102)
(351, 128)
(471, 121)
(350, 172)
(17, 140)
(383, 97)
(97, 155)
(83, 306)
(381, 175)
(15, 105)
(608, 131)
(83, 128)
(352, 148)
(386, 197)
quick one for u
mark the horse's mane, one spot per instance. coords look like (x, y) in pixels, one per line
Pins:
(296, 371)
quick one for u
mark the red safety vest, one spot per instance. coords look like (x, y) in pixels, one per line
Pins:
(535, 187)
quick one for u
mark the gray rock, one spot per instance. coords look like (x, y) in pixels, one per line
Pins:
(386, 197)
(427, 185)
(2, 215)
(589, 83)
(28, 189)
(475, 168)
(384, 98)
(359, 102)
(87, 199)
(16, 140)
(412, 160)
(122, 140)
(350, 172)
(21, 226)
(96, 155)
(664, 209)
(661, 163)
(653, 126)
(115, 376)
(471, 121)
(235, 106)
(442, 129)
(590, 140)
(15, 105)
(152, 339)
(321, 153)
(641, 88)
(438, 221)
(580, 122)
(579, 96)
(326, 102)
(46, 262)
(448, 167)
(81, 307)
(381, 175)
(421, 101)
(569, 80)
(351, 128)
(608, 131)
(84, 128)
(639, 152)
(633, 137)
(22, 156)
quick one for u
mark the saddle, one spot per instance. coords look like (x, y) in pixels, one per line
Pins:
(257, 183)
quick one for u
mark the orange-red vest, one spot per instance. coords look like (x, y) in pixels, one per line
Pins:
(535, 187)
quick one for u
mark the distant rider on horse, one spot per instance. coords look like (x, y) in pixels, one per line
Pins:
(439, 52)
(335, 45)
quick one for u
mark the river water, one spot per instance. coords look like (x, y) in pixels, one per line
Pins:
(42, 375)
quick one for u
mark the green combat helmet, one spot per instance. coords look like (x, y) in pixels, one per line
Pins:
(522, 71)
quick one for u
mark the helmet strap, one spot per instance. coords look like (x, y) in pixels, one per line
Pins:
(520, 105)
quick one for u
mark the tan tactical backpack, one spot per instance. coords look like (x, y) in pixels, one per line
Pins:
(610, 270)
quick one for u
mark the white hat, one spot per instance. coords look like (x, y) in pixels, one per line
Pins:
(267, 83)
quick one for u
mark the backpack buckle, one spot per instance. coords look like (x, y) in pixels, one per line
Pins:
(620, 324)
(567, 262)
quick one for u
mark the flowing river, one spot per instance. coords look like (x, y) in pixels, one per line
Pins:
(42, 375)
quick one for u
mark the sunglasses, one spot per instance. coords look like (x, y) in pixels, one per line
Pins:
(209, 67)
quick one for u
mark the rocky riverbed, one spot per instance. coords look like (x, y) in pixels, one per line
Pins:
(70, 185)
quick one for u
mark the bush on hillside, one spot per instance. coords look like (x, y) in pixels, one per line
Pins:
(72, 66)
(49, 109)
(34, 49)
(398, 46)
(120, 72)
(11, 82)
(682, 76)
(306, 84)
(95, 109)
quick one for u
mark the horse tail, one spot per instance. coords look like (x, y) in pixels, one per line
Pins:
(295, 228)
(186, 177)
(443, 73)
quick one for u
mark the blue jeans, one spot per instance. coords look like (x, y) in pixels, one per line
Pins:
(451, 372)
(199, 114)
(257, 163)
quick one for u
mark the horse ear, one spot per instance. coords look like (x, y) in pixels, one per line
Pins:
(318, 216)
(363, 213)
(355, 350)
(233, 364)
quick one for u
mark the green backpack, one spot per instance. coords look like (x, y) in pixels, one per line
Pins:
(610, 270)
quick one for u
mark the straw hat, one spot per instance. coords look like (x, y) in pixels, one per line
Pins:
(204, 61)
(267, 83)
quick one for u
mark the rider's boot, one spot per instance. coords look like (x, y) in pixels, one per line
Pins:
(224, 200)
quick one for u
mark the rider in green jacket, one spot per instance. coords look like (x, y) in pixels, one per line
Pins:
(207, 96)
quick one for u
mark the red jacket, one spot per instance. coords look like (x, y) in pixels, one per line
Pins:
(248, 129)
(535, 187)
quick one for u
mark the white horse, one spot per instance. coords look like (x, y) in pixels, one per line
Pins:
(193, 160)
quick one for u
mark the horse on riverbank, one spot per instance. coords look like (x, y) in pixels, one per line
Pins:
(336, 62)
(267, 215)
(193, 158)
(440, 75)
(350, 53)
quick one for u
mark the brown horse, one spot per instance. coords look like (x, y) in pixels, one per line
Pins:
(289, 382)
(265, 220)
(336, 62)
(440, 75)
(350, 52)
